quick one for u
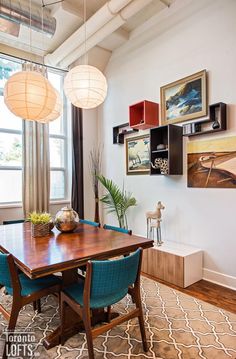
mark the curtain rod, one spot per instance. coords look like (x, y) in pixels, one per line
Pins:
(34, 62)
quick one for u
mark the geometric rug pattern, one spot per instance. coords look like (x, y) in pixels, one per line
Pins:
(178, 326)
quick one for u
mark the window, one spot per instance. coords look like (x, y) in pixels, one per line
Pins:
(11, 143)
(58, 141)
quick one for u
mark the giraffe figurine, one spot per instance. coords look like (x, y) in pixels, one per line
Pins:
(154, 221)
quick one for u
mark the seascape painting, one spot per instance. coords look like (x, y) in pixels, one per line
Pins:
(184, 99)
(138, 155)
(212, 163)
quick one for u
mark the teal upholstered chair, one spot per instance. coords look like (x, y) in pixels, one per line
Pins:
(117, 229)
(23, 289)
(106, 283)
(91, 223)
(13, 221)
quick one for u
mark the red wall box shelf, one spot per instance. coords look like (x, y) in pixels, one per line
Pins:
(144, 115)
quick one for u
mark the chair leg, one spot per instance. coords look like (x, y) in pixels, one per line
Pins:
(11, 327)
(141, 320)
(39, 306)
(35, 305)
(88, 332)
(63, 320)
(109, 314)
(13, 317)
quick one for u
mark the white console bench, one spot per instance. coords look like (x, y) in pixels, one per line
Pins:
(173, 262)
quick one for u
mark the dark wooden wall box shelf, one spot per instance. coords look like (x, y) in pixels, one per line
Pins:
(216, 122)
(170, 136)
(120, 131)
(144, 115)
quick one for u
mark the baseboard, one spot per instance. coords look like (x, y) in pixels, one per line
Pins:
(219, 278)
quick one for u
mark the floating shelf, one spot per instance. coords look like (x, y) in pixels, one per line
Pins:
(172, 157)
(120, 131)
(144, 115)
(216, 122)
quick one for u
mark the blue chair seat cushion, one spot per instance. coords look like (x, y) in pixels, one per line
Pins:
(75, 291)
(30, 286)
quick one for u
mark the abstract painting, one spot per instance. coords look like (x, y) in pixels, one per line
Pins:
(184, 99)
(138, 155)
(212, 163)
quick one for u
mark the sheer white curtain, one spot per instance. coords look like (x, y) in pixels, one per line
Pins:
(36, 167)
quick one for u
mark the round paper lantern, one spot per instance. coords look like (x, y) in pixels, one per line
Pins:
(29, 95)
(56, 112)
(85, 86)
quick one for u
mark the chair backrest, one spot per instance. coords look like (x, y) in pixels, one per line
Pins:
(95, 224)
(14, 221)
(5, 275)
(118, 229)
(112, 276)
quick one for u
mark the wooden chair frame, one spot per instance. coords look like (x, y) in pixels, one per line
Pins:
(20, 301)
(85, 311)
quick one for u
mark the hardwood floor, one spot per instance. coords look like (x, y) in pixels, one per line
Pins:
(215, 294)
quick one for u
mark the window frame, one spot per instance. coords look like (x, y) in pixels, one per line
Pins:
(13, 132)
(66, 137)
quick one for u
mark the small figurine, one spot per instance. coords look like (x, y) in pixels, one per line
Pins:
(154, 221)
(162, 164)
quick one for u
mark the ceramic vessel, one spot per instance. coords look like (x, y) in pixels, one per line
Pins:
(66, 220)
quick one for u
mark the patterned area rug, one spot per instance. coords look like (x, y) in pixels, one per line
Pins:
(177, 326)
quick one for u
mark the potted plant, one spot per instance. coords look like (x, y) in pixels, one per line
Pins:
(41, 223)
(117, 201)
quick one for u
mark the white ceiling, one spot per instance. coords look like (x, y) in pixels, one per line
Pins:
(69, 17)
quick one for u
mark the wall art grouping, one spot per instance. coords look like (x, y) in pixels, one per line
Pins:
(184, 99)
(212, 163)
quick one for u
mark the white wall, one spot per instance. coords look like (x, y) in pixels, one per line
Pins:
(204, 218)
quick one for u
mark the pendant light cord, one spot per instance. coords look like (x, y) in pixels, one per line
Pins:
(30, 4)
(85, 36)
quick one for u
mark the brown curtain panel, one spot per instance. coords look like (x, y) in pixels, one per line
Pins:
(77, 192)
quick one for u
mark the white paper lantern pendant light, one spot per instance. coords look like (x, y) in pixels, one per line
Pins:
(29, 95)
(85, 86)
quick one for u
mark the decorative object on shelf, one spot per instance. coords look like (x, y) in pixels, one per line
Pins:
(117, 201)
(85, 86)
(161, 163)
(161, 146)
(212, 163)
(66, 220)
(29, 95)
(120, 131)
(154, 222)
(95, 163)
(137, 155)
(215, 123)
(144, 115)
(41, 223)
(166, 145)
(184, 99)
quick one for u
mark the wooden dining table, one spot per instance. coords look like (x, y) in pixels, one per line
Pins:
(65, 252)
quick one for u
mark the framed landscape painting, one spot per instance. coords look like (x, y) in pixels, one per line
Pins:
(212, 163)
(138, 155)
(184, 99)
